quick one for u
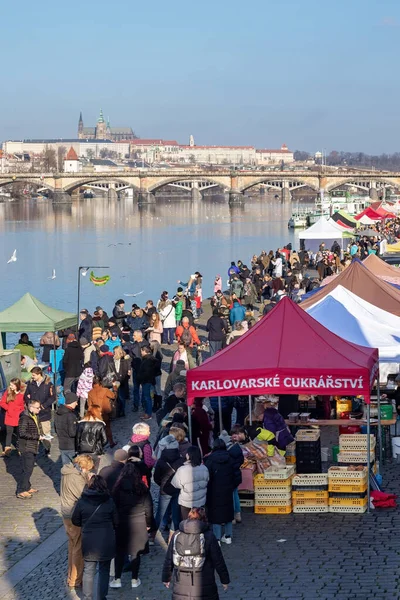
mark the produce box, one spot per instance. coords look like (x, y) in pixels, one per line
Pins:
(276, 495)
(311, 509)
(348, 488)
(348, 509)
(358, 472)
(310, 501)
(308, 435)
(308, 479)
(348, 501)
(297, 495)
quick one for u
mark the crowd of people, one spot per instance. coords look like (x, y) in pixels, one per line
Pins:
(111, 366)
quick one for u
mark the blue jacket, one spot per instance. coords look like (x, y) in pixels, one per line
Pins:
(137, 323)
(112, 344)
(227, 402)
(237, 313)
(232, 270)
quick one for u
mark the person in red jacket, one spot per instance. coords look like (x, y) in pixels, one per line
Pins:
(13, 404)
(201, 426)
(187, 334)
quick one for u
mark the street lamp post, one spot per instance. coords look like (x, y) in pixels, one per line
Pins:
(79, 287)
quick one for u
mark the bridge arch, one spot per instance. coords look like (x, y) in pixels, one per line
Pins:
(358, 182)
(41, 183)
(88, 180)
(169, 180)
(294, 183)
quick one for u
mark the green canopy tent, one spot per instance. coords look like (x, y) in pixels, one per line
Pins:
(28, 314)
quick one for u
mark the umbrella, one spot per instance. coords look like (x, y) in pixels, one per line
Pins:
(367, 233)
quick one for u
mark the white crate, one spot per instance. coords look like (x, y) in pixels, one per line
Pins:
(279, 472)
(308, 479)
(347, 509)
(346, 473)
(272, 495)
(355, 457)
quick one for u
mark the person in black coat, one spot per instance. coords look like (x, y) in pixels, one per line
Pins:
(122, 366)
(40, 388)
(29, 432)
(223, 480)
(111, 473)
(91, 436)
(135, 512)
(169, 462)
(189, 584)
(146, 378)
(119, 313)
(217, 329)
(73, 364)
(65, 422)
(96, 514)
(86, 325)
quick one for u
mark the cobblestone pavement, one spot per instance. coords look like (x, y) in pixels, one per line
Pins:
(327, 556)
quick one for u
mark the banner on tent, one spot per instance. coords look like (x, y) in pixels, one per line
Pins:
(283, 384)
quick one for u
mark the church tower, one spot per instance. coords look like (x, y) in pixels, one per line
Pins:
(101, 128)
(80, 127)
(108, 129)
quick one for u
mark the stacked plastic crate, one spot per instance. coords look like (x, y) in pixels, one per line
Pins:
(310, 493)
(308, 451)
(290, 454)
(353, 450)
(273, 491)
(347, 489)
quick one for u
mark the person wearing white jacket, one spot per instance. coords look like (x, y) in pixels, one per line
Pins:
(192, 480)
(166, 310)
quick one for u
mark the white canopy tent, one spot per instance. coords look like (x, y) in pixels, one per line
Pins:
(322, 231)
(360, 322)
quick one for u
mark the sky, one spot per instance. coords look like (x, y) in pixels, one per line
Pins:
(312, 74)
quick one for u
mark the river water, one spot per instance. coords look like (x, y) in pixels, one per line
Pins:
(157, 245)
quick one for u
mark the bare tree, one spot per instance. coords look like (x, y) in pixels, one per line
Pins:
(90, 153)
(49, 159)
(61, 152)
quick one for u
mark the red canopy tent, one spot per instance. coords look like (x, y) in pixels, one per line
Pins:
(375, 215)
(286, 352)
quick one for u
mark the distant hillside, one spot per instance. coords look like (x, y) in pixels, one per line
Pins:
(385, 162)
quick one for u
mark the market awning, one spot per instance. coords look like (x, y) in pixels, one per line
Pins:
(358, 279)
(287, 352)
(30, 314)
(356, 320)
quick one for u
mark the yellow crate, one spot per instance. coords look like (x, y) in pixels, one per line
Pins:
(261, 482)
(310, 494)
(311, 509)
(346, 473)
(273, 510)
(290, 460)
(310, 501)
(348, 488)
(348, 501)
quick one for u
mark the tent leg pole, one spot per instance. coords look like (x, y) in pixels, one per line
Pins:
(190, 423)
(368, 456)
(220, 414)
(250, 412)
(378, 393)
(79, 297)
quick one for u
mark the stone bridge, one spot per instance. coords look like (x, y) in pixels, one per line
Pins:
(234, 183)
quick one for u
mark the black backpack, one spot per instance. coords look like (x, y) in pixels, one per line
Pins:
(189, 552)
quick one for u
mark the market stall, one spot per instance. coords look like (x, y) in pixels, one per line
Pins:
(381, 269)
(29, 314)
(361, 281)
(287, 352)
(324, 230)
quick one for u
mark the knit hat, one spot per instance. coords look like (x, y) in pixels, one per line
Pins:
(180, 364)
(120, 455)
(70, 398)
(120, 301)
(84, 341)
(225, 437)
(104, 348)
(99, 308)
(170, 442)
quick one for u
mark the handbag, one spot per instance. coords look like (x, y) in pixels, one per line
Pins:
(91, 517)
